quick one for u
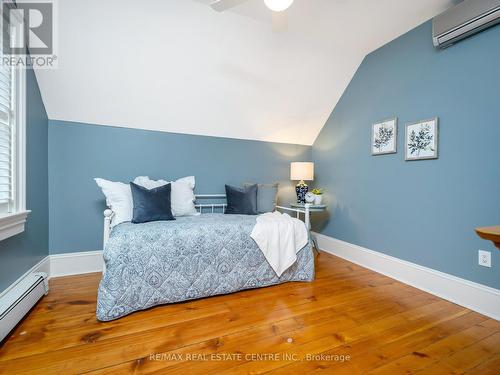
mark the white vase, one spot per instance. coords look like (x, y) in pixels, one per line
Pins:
(318, 199)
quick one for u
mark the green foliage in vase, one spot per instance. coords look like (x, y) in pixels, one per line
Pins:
(317, 191)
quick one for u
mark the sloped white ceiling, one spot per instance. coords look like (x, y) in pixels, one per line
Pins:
(178, 66)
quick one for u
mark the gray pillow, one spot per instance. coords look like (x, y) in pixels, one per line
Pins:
(151, 204)
(241, 201)
(267, 196)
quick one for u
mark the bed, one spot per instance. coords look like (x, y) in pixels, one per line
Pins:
(192, 257)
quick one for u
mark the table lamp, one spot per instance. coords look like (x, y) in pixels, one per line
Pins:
(301, 171)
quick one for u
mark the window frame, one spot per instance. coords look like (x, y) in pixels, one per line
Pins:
(13, 221)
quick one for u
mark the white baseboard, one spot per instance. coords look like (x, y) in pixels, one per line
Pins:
(477, 297)
(41, 266)
(57, 265)
(474, 296)
(76, 263)
(54, 266)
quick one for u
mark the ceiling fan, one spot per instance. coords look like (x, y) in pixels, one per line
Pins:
(278, 8)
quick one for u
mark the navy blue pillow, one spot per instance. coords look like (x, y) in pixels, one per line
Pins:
(241, 200)
(151, 205)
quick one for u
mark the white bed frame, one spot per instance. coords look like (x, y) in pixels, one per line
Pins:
(211, 208)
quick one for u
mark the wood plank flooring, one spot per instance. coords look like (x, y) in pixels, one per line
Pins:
(349, 321)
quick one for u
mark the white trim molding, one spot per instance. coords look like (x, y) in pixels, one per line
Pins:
(12, 223)
(41, 266)
(477, 297)
(20, 142)
(14, 213)
(57, 265)
(76, 263)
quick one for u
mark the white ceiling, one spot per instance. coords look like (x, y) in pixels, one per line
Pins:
(179, 66)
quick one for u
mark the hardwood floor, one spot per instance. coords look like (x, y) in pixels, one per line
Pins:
(349, 320)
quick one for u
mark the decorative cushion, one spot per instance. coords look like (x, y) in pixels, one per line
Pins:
(151, 204)
(241, 200)
(267, 197)
(182, 196)
(118, 198)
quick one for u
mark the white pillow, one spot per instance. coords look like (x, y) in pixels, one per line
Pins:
(144, 181)
(182, 195)
(118, 198)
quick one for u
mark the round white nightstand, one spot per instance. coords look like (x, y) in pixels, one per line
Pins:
(306, 209)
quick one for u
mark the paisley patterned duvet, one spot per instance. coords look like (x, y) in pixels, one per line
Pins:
(192, 257)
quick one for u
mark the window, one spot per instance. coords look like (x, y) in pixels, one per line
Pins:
(13, 211)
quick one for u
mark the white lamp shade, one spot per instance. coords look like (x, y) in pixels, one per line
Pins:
(302, 171)
(278, 5)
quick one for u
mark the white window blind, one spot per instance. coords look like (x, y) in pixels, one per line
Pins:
(7, 134)
(13, 213)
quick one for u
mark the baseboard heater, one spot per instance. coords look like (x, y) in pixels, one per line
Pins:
(16, 303)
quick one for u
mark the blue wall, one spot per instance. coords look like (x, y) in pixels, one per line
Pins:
(421, 211)
(79, 152)
(19, 253)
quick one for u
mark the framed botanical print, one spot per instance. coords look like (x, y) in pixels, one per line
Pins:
(384, 137)
(421, 140)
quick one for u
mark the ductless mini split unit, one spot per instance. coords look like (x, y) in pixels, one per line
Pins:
(463, 20)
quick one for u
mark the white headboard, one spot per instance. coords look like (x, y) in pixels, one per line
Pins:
(210, 207)
(200, 207)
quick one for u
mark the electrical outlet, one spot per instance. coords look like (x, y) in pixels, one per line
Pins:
(484, 258)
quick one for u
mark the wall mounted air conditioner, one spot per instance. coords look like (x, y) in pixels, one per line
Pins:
(464, 19)
(16, 303)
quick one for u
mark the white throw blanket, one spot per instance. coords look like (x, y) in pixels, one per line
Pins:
(280, 237)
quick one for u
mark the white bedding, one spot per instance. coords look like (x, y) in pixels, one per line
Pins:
(280, 237)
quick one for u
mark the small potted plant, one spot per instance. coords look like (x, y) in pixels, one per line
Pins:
(318, 196)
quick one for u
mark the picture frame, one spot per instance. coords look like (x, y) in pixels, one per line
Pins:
(384, 138)
(422, 140)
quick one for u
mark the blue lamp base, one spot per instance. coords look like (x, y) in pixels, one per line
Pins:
(301, 189)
